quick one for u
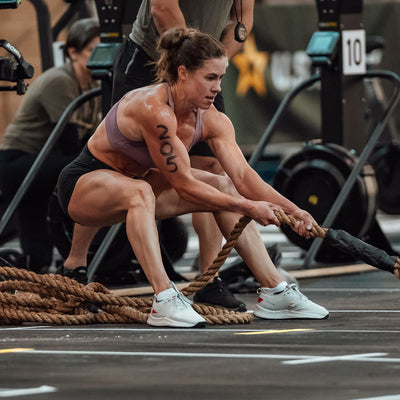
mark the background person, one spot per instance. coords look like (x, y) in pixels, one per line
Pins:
(42, 106)
(136, 169)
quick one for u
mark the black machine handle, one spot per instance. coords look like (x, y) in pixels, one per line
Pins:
(364, 156)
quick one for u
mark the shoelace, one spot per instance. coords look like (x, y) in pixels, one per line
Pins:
(180, 301)
(294, 290)
(291, 289)
(179, 296)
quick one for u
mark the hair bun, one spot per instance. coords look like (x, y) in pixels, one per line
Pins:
(173, 38)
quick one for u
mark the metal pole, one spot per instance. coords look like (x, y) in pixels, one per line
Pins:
(45, 36)
(265, 138)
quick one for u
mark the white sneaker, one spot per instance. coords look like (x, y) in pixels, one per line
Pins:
(288, 304)
(174, 309)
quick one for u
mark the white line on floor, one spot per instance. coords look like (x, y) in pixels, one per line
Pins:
(292, 359)
(348, 290)
(389, 397)
(110, 329)
(26, 391)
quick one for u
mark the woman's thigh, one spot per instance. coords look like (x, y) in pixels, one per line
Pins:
(168, 201)
(103, 197)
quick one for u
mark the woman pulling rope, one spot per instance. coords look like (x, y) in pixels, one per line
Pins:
(136, 169)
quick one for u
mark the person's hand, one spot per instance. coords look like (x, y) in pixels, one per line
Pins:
(304, 223)
(263, 213)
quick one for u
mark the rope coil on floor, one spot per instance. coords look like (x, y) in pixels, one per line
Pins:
(53, 299)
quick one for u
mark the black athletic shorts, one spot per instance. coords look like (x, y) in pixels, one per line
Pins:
(68, 177)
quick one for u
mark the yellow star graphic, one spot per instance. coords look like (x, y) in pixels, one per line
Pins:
(251, 64)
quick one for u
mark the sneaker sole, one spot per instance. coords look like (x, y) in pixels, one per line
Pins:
(173, 324)
(288, 315)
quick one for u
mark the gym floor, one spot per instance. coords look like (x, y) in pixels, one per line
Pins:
(355, 354)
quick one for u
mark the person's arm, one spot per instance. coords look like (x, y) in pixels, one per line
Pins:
(246, 180)
(171, 158)
(167, 14)
(232, 47)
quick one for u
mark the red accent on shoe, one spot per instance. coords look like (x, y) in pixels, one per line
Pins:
(259, 300)
(153, 311)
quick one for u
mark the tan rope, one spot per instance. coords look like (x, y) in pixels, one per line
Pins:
(29, 297)
(53, 299)
(204, 278)
(396, 268)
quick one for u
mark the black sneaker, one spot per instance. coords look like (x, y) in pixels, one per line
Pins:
(79, 273)
(216, 293)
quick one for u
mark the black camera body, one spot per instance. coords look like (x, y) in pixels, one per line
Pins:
(8, 70)
(14, 69)
(9, 3)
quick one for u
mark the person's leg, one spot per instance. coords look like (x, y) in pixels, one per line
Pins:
(277, 300)
(82, 237)
(216, 292)
(207, 230)
(132, 69)
(94, 203)
(31, 213)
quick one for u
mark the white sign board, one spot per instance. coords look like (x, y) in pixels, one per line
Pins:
(353, 52)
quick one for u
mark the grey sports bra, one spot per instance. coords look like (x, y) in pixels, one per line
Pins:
(137, 150)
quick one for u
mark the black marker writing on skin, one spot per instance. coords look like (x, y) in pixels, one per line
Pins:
(166, 148)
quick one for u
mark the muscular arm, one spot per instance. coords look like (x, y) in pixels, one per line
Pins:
(171, 157)
(228, 37)
(248, 183)
(167, 14)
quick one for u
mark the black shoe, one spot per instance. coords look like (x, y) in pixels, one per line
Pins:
(79, 273)
(217, 293)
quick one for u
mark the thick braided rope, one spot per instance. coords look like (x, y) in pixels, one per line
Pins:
(29, 297)
(396, 268)
(204, 278)
(316, 230)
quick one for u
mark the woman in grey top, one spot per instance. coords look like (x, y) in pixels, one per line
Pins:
(44, 102)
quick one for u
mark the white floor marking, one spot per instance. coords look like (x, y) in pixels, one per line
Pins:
(273, 331)
(111, 329)
(390, 397)
(292, 359)
(347, 290)
(27, 391)
(349, 357)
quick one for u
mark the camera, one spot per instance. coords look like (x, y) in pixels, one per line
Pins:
(9, 3)
(13, 69)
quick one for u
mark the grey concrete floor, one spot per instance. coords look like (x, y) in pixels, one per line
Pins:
(353, 355)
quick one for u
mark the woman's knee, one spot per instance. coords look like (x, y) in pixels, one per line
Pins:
(224, 184)
(141, 195)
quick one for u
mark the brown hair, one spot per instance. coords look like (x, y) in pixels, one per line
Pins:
(81, 33)
(187, 47)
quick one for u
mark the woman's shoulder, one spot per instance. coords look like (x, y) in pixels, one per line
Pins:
(150, 99)
(213, 118)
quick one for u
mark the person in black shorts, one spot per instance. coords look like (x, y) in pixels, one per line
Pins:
(136, 169)
(133, 68)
